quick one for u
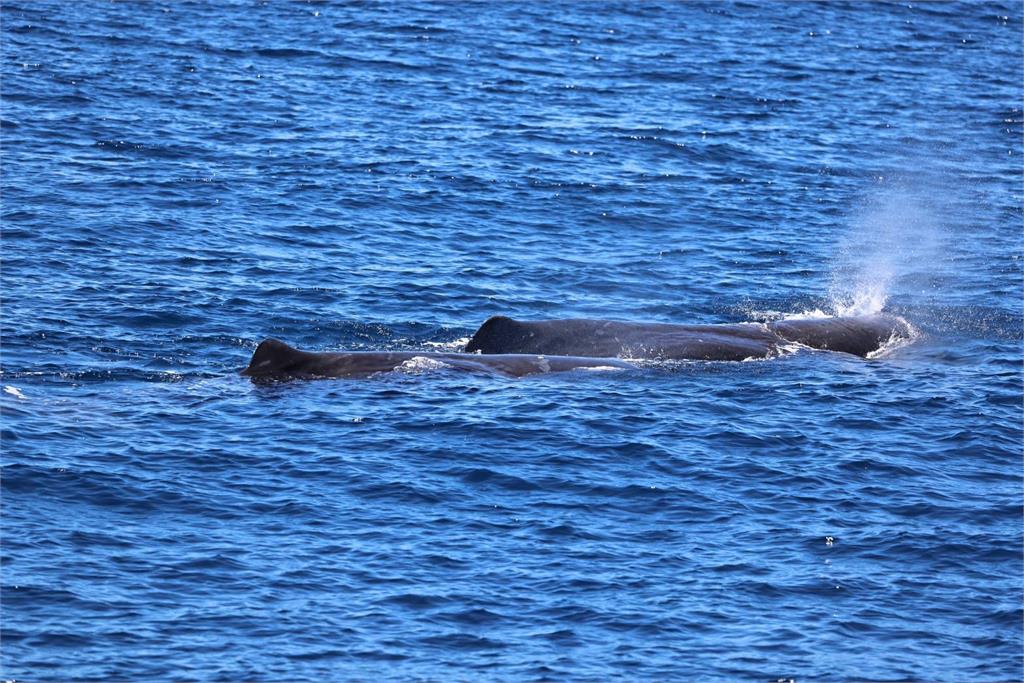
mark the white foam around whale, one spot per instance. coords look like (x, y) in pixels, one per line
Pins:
(421, 364)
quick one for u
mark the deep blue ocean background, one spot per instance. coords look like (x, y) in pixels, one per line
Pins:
(183, 179)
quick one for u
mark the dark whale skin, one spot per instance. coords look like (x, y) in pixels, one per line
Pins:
(275, 360)
(858, 335)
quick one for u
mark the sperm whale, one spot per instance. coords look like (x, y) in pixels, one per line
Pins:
(858, 335)
(274, 359)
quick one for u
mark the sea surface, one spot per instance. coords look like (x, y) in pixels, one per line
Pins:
(183, 179)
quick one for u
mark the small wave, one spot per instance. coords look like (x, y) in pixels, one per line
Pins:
(786, 348)
(453, 345)
(15, 392)
(421, 364)
(977, 321)
(96, 375)
(772, 315)
(895, 342)
(819, 314)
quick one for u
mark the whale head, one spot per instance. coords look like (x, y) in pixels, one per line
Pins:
(859, 335)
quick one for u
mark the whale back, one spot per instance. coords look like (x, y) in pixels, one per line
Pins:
(274, 358)
(499, 334)
(611, 338)
(859, 335)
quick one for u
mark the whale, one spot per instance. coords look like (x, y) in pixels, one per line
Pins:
(857, 335)
(276, 360)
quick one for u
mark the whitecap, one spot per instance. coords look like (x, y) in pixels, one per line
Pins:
(419, 364)
(15, 392)
(454, 345)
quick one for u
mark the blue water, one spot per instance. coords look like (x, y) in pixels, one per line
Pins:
(181, 180)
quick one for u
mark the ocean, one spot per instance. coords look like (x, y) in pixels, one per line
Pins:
(181, 180)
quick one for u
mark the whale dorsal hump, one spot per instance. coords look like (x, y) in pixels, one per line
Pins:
(272, 357)
(498, 334)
